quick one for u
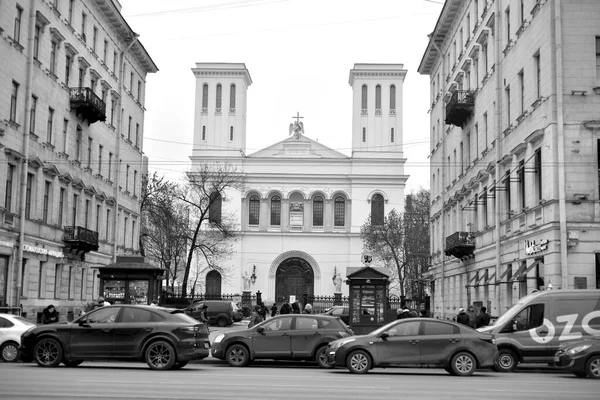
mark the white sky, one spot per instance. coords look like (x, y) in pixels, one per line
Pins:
(299, 54)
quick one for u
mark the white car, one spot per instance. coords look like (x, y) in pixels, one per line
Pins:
(11, 328)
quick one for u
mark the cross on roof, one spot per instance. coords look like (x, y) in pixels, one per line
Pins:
(297, 117)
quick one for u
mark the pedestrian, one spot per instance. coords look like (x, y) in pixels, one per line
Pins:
(49, 315)
(423, 313)
(255, 317)
(472, 316)
(285, 308)
(296, 307)
(483, 319)
(307, 309)
(263, 311)
(462, 317)
(204, 314)
(154, 303)
(413, 314)
(102, 302)
(273, 310)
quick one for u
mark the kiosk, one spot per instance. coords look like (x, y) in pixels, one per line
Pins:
(131, 280)
(368, 298)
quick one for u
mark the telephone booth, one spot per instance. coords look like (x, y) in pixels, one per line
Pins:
(368, 298)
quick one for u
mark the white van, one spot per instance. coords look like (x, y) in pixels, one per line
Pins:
(533, 329)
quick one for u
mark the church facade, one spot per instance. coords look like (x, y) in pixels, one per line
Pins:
(303, 203)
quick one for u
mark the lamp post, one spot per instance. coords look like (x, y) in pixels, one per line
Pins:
(253, 276)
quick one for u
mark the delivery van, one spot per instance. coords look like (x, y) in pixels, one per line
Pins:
(533, 329)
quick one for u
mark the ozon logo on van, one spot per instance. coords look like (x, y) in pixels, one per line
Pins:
(565, 332)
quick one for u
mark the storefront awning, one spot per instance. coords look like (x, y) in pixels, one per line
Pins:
(504, 274)
(482, 275)
(474, 278)
(489, 280)
(524, 271)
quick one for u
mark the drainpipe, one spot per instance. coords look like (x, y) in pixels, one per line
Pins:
(18, 268)
(118, 138)
(560, 144)
(499, 109)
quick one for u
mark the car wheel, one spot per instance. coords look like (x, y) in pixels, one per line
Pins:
(463, 364)
(10, 351)
(506, 361)
(238, 355)
(179, 364)
(359, 362)
(160, 355)
(592, 367)
(48, 353)
(580, 374)
(222, 322)
(72, 363)
(321, 357)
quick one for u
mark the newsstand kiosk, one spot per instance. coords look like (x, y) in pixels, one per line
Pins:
(368, 298)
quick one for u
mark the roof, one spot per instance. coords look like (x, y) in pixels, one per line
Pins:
(298, 147)
(371, 70)
(358, 271)
(132, 262)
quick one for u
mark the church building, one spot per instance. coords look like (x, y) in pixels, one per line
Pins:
(303, 203)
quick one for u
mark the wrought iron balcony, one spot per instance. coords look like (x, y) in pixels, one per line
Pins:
(80, 240)
(87, 104)
(460, 107)
(460, 245)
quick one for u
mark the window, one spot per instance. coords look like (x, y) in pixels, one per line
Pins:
(134, 181)
(139, 90)
(94, 39)
(112, 112)
(9, 187)
(339, 212)
(404, 329)
(461, 158)
(254, 210)
(127, 178)
(538, 74)
(232, 97)
(86, 216)
(392, 135)
(275, 211)
(50, 123)
(364, 97)
(53, 47)
(521, 179)
(82, 283)
(438, 328)
(129, 129)
(13, 102)
(32, 113)
(137, 134)
(47, 186)
(537, 165)
(105, 52)
(103, 315)
(506, 183)
(231, 133)
(131, 81)
(36, 41)
(68, 59)
(61, 206)
(521, 12)
(218, 99)
(98, 209)
(306, 323)
(484, 211)
(377, 210)
(110, 157)
(114, 62)
(521, 92)
(204, 132)
(17, 33)
(507, 91)
(107, 225)
(280, 324)
(530, 318)
(485, 131)
(83, 22)
(89, 153)
(507, 16)
(74, 210)
(136, 315)
(378, 97)
(125, 231)
(71, 14)
(318, 211)
(81, 76)
(364, 135)
(205, 96)
(597, 61)
(57, 279)
(214, 209)
(28, 196)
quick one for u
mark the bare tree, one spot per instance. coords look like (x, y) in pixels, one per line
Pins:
(416, 242)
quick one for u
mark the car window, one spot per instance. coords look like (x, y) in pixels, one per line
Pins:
(4, 323)
(131, 315)
(279, 324)
(326, 323)
(196, 307)
(306, 323)
(404, 329)
(438, 328)
(530, 317)
(184, 318)
(102, 315)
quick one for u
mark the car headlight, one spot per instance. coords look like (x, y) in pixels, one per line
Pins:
(339, 343)
(578, 349)
(219, 338)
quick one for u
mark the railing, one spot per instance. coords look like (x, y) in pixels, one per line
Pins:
(80, 234)
(88, 104)
(460, 244)
(460, 107)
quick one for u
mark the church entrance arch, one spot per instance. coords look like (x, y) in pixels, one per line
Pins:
(213, 283)
(294, 277)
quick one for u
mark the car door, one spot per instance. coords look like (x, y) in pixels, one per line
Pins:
(275, 339)
(438, 340)
(305, 336)
(131, 329)
(527, 332)
(92, 336)
(400, 344)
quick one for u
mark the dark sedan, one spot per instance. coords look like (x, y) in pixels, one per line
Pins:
(339, 311)
(283, 337)
(122, 332)
(416, 342)
(582, 357)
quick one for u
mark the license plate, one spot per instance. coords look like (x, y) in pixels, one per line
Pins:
(556, 359)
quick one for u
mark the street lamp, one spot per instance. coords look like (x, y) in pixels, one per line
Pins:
(253, 276)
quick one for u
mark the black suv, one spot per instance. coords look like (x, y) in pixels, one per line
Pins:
(220, 312)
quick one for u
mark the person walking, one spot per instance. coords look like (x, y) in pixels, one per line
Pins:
(285, 308)
(296, 307)
(204, 314)
(273, 310)
(462, 317)
(255, 317)
(472, 316)
(49, 315)
(263, 311)
(307, 309)
(483, 319)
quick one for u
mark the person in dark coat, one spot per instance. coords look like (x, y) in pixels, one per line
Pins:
(255, 317)
(462, 317)
(263, 311)
(483, 319)
(285, 308)
(273, 310)
(296, 307)
(50, 315)
(472, 316)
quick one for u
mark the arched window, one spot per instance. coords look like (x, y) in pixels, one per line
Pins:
(205, 96)
(392, 135)
(378, 97)
(364, 97)
(377, 210)
(218, 103)
(339, 212)
(254, 210)
(318, 211)
(232, 97)
(214, 208)
(231, 133)
(276, 211)
(364, 135)
(213, 283)
(392, 97)
(203, 132)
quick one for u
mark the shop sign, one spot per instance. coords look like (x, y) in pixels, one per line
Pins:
(41, 250)
(6, 244)
(531, 247)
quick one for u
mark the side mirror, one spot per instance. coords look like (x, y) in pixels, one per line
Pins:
(260, 330)
(384, 336)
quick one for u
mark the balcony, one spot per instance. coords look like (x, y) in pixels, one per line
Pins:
(460, 107)
(80, 240)
(87, 104)
(460, 245)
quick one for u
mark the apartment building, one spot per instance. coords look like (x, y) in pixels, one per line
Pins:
(515, 150)
(72, 87)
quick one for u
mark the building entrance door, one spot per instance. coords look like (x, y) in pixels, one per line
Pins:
(294, 276)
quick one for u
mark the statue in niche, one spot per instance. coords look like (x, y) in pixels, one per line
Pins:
(337, 281)
(246, 280)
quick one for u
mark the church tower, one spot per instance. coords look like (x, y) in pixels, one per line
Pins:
(377, 110)
(220, 110)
